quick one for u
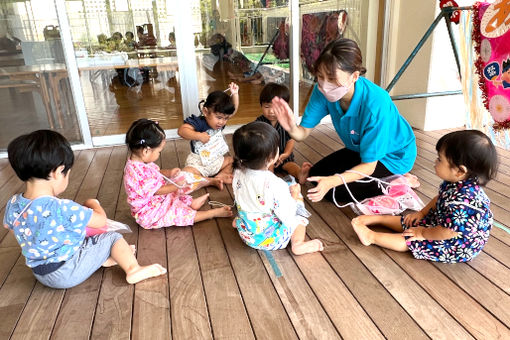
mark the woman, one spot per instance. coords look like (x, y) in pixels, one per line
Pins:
(378, 140)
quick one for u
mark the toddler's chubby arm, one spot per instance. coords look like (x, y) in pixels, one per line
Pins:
(98, 219)
(411, 219)
(286, 153)
(187, 131)
(234, 91)
(295, 192)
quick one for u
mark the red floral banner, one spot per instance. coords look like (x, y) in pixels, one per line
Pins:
(491, 34)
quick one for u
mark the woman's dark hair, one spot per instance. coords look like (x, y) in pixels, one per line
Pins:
(254, 144)
(272, 90)
(218, 101)
(341, 54)
(472, 149)
(37, 154)
(144, 133)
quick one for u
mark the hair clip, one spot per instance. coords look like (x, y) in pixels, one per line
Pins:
(142, 141)
(156, 122)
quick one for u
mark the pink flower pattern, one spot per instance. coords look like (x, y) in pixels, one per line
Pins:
(141, 181)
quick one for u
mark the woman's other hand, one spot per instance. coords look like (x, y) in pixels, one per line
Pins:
(324, 184)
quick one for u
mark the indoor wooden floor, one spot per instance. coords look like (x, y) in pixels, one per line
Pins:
(217, 287)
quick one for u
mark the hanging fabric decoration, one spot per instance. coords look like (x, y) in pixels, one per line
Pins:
(318, 30)
(281, 44)
(491, 34)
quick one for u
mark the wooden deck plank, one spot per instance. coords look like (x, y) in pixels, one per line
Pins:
(113, 316)
(393, 278)
(151, 296)
(384, 310)
(76, 314)
(227, 312)
(263, 305)
(307, 315)
(190, 317)
(9, 257)
(14, 295)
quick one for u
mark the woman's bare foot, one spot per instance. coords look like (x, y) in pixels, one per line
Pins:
(307, 247)
(303, 173)
(222, 212)
(217, 182)
(199, 202)
(365, 235)
(141, 273)
(111, 262)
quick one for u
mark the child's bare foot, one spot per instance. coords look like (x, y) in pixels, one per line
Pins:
(141, 273)
(226, 178)
(303, 173)
(111, 262)
(307, 247)
(223, 212)
(365, 235)
(217, 182)
(199, 202)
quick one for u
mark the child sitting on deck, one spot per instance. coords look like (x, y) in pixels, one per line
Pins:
(216, 111)
(455, 225)
(285, 161)
(267, 207)
(50, 230)
(154, 202)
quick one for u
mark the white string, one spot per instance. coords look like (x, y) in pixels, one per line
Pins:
(172, 182)
(220, 204)
(371, 179)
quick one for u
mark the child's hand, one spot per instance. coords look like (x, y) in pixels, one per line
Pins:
(410, 220)
(414, 233)
(204, 137)
(234, 88)
(295, 191)
(280, 160)
(174, 172)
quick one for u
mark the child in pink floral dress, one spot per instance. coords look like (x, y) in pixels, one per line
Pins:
(154, 202)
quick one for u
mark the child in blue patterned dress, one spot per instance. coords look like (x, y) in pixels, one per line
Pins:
(50, 230)
(455, 225)
(266, 206)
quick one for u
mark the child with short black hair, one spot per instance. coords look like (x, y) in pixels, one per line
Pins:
(455, 225)
(217, 109)
(154, 202)
(51, 231)
(266, 207)
(286, 146)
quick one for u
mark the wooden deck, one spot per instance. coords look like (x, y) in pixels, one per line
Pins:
(219, 288)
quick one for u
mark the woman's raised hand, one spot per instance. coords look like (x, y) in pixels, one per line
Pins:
(283, 113)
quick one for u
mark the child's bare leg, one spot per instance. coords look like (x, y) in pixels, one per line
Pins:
(197, 203)
(386, 240)
(303, 173)
(203, 215)
(298, 244)
(292, 169)
(123, 254)
(111, 262)
(210, 181)
(388, 221)
(225, 173)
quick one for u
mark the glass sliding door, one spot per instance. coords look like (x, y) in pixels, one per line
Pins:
(245, 42)
(34, 87)
(126, 56)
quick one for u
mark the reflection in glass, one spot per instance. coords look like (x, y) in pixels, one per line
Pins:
(126, 56)
(34, 86)
(242, 42)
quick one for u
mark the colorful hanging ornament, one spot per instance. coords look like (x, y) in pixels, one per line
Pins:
(455, 15)
(491, 34)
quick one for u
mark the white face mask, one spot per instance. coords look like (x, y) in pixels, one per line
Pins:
(332, 92)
